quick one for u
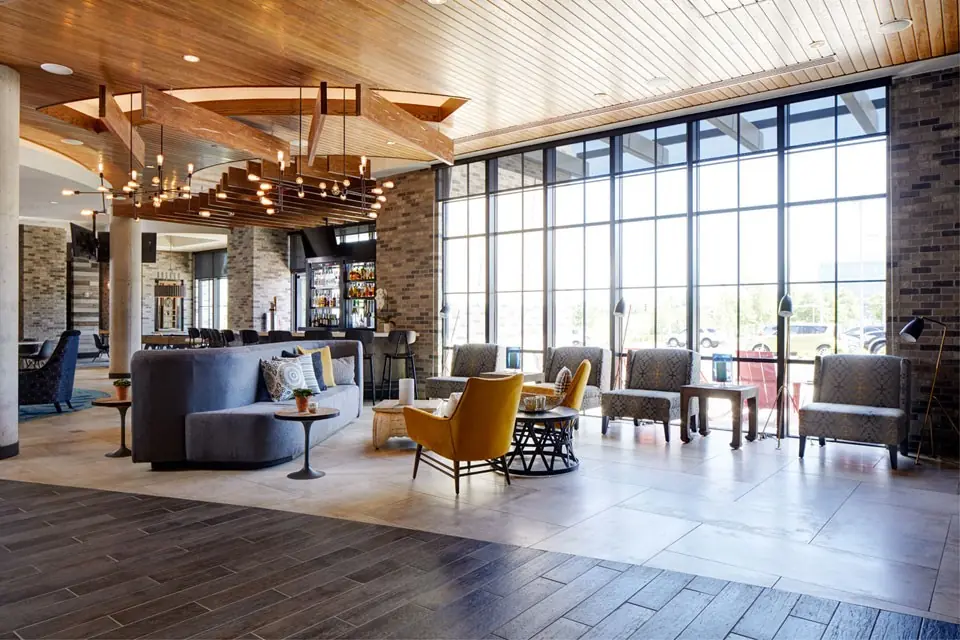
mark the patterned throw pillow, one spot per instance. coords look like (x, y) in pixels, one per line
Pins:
(327, 369)
(282, 376)
(308, 364)
(564, 377)
(343, 370)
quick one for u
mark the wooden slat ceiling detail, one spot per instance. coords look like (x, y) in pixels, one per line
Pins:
(521, 63)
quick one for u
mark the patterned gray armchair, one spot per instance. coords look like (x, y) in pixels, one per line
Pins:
(570, 357)
(469, 360)
(860, 398)
(654, 378)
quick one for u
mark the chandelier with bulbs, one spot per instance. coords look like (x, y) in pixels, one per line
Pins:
(366, 195)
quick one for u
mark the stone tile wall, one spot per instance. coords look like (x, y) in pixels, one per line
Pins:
(170, 265)
(408, 263)
(83, 302)
(258, 271)
(923, 276)
(43, 282)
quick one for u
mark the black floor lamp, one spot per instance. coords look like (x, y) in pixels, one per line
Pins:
(619, 311)
(911, 333)
(785, 311)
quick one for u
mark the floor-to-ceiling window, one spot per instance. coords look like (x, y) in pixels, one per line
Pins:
(836, 223)
(578, 217)
(652, 237)
(464, 255)
(211, 289)
(517, 207)
(698, 224)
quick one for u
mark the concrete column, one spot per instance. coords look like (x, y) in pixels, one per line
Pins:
(125, 312)
(9, 258)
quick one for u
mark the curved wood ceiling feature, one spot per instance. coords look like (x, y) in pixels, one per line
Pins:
(522, 63)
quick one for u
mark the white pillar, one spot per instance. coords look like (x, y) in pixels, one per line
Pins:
(9, 258)
(125, 270)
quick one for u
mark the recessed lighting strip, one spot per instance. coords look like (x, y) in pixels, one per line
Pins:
(622, 106)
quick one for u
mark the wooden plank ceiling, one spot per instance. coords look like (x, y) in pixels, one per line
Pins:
(528, 68)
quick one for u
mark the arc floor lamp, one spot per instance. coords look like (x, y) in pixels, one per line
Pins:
(911, 333)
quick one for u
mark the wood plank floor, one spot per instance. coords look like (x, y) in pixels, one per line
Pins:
(84, 563)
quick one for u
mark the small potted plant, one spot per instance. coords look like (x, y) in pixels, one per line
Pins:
(302, 396)
(122, 386)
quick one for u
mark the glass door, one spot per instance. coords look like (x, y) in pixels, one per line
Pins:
(325, 295)
(361, 294)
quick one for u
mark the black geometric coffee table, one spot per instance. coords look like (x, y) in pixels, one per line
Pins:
(543, 443)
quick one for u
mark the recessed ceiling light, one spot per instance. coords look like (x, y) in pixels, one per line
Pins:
(437, 2)
(54, 202)
(73, 142)
(896, 26)
(391, 142)
(600, 94)
(816, 44)
(658, 82)
(150, 166)
(56, 69)
(191, 58)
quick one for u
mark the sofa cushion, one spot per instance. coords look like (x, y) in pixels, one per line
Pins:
(326, 358)
(311, 364)
(641, 404)
(852, 422)
(250, 434)
(343, 370)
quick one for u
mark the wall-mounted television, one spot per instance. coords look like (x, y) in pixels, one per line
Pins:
(148, 247)
(83, 243)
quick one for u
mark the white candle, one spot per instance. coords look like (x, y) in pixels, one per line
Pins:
(406, 391)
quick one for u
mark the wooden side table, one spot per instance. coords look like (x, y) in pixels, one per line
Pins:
(388, 419)
(736, 393)
(121, 406)
(306, 419)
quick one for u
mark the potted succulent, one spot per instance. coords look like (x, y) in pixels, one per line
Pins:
(122, 385)
(302, 396)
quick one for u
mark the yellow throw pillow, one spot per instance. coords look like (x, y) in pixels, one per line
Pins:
(325, 359)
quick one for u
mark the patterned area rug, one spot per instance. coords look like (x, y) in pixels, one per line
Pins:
(81, 400)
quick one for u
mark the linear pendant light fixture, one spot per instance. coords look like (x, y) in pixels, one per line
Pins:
(642, 102)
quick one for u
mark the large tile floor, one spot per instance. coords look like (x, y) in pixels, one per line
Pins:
(839, 524)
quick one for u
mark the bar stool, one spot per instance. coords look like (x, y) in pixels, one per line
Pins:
(400, 341)
(365, 338)
(321, 334)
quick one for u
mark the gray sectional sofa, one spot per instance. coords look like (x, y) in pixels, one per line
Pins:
(209, 408)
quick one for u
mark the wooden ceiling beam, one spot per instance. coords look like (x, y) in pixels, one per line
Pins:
(161, 108)
(113, 119)
(380, 111)
(316, 123)
(73, 117)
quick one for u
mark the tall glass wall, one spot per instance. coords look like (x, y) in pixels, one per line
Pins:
(697, 225)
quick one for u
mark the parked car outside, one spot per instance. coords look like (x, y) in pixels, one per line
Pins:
(807, 339)
(868, 339)
(709, 339)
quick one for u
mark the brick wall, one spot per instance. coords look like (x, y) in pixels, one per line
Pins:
(170, 265)
(924, 262)
(43, 282)
(258, 271)
(408, 263)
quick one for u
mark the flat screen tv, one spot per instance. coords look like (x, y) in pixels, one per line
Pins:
(83, 242)
(148, 247)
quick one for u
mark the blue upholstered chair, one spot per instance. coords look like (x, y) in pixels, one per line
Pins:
(469, 361)
(859, 398)
(652, 389)
(53, 382)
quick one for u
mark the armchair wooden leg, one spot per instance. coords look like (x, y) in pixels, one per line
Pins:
(636, 422)
(803, 445)
(823, 441)
(456, 476)
(666, 430)
(506, 469)
(893, 456)
(416, 461)
(604, 424)
(56, 405)
(70, 405)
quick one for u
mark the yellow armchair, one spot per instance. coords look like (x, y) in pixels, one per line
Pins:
(480, 429)
(573, 397)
